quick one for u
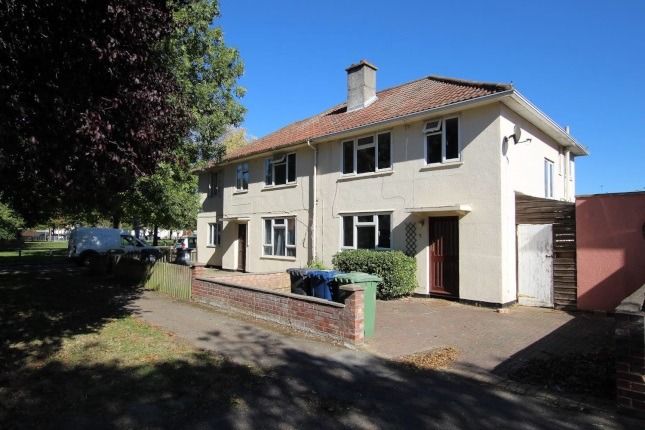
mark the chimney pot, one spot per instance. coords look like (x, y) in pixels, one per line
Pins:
(361, 85)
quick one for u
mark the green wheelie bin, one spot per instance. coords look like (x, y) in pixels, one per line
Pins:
(370, 283)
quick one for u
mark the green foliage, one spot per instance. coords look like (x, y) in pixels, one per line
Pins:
(207, 72)
(397, 269)
(87, 102)
(167, 198)
(317, 264)
(10, 222)
(234, 139)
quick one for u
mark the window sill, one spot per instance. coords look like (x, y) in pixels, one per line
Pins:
(365, 175)
(279, 187)
(441, 166)
(212, 246)
(240, 192)
(274, 257)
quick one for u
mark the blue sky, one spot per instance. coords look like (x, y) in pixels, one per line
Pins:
(582, 62)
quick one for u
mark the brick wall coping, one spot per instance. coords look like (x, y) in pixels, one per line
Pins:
(633, 304)
(278, 293)
(230, 273)
(352, 287)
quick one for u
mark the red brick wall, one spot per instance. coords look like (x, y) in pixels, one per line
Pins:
(610, 248)
(335, 321)
(630, 361)
(266, 281)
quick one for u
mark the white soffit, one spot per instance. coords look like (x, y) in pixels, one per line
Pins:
(460, 210)
(236, 218)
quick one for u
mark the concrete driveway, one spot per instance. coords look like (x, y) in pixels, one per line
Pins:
(489, 342)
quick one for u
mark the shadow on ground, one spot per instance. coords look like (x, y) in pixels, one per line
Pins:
(561, 363)
(40, 308)
(42, 304)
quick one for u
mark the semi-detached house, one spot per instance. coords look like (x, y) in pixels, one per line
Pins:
(430, 167)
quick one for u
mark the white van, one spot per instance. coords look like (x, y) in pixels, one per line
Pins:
(87, 242)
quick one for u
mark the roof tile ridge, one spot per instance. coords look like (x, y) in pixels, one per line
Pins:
(459, 81)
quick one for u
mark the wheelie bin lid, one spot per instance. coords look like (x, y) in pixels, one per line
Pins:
(298, 271)
(325, 275)
(353, 277)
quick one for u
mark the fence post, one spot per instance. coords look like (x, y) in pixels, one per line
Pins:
(197, 270)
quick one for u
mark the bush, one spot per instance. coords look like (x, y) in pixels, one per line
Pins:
(317, 264)
(397, 269)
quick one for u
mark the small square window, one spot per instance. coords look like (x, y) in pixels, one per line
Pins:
(213, 186)
(442, 140)
(280, 170)
(367, 154)
(242, 177)
(214, 233)
(366, 231)
(279, 237)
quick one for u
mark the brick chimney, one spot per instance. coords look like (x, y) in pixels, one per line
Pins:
(361, 85)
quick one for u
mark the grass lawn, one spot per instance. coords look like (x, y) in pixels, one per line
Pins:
(72, 355)
(34, 252)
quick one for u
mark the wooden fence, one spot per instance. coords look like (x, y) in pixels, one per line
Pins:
(562, 215)
(171, 279)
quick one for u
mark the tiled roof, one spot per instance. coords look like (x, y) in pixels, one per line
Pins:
(412, 97)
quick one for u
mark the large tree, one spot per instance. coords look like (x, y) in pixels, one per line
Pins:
(166, 199)
(207, 72)
(88, 101)
(10, 223)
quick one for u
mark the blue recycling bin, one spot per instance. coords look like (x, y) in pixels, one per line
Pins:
(323, 283)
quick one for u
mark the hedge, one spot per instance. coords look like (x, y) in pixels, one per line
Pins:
(397, 269)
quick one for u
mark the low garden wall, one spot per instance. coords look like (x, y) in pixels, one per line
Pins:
(629, 339)
(253, 295)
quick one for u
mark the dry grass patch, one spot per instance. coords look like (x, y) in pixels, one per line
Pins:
(438, 358)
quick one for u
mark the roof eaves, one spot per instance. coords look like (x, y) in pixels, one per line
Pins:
(549, 123)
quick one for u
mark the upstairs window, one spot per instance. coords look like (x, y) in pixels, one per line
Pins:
(367, 154)
(280, 237)
(280, 170)
(442, 140)
(213, 185)
(366, 231)
(548, 178)
(242, 177)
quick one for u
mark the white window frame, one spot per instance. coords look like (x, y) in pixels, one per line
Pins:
(283, 160)
(356, 224)
(214, 233)
(374, 144)
(548, 178)
(440, 128)
(270, 243)
(213, 190)
(240, 168)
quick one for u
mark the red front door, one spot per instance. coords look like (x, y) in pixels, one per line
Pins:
(444, 256)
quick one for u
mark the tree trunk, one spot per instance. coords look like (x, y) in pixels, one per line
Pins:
(155, 231)
(116, 221)
(137, 228)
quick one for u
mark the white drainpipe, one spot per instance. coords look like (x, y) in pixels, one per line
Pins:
(313, 230)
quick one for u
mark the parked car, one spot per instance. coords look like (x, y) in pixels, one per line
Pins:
(184, 247)
(85, 243)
